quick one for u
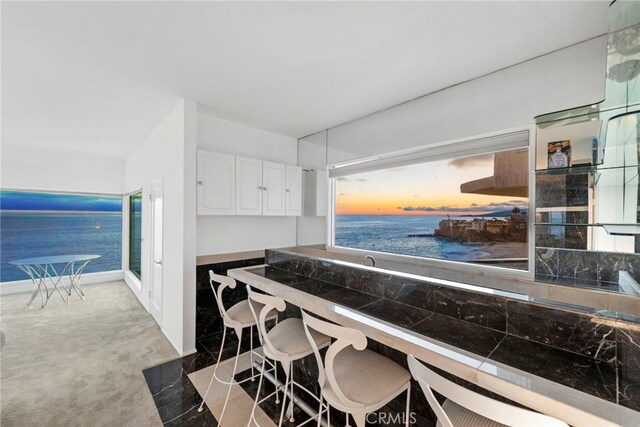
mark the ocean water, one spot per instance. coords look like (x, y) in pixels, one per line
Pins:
(389, 233)
(26, 235)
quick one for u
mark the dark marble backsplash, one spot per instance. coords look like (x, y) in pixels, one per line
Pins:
(590, 268)
(208, 321)
(581, 331)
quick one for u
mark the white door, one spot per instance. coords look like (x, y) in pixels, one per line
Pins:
(273, 180)
(293, 190)
(249, 187)
(155, 291)
(216, 183)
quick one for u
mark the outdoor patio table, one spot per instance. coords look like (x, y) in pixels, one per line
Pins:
(42, 270)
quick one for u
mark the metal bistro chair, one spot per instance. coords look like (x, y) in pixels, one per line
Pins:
(352, 378)
(466, 408)
(285, 343)
(237, 318)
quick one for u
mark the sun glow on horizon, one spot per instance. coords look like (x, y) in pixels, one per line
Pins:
(424, 189)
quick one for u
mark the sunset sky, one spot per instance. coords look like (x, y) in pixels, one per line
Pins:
(424, 189)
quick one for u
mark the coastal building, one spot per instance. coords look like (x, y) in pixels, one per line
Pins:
(198, 197)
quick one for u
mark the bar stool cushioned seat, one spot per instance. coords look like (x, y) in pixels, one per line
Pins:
(289, 337)
(241, 312)
(462, 417)
(368, 377)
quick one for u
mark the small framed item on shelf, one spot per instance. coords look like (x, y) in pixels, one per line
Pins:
(559, 153)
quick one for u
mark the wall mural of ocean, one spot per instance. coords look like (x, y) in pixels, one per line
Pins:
(389, 233)
(42, 224)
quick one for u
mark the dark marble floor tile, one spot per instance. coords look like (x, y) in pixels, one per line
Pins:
(349, 297)
(195, 362)
(572, 370)
(481, 309)
(396, 313)
(175, 396)
(580, 333)
(465, 335)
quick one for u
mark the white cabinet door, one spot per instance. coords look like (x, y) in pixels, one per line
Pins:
(293, 191)
(249, 188)
(273, 180)
(216, 183)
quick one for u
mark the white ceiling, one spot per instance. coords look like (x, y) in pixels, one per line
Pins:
(98, 76)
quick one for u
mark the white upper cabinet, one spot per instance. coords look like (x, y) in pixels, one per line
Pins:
(235, 185)
(293, 190)
(249, 188)
(216, 177)
(273, 181)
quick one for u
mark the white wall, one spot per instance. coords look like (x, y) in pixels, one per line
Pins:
(169, 152)
(223, 234)
(506, 99)
(44, 170)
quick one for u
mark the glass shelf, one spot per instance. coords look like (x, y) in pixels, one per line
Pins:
(611, 229)
(581, 170)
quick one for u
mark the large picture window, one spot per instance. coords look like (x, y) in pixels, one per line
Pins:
(135, 234)
(35, 224)
(471, 209)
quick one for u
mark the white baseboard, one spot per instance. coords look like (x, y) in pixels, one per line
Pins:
(19, 286)
(177, 347)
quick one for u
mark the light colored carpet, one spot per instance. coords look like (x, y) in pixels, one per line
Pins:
(79, 364)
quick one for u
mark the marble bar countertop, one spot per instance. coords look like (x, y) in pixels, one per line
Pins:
(558, 383)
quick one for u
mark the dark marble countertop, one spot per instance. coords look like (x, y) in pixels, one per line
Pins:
(485, 349)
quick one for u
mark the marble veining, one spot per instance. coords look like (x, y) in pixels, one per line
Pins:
(469, 336)
(572, 370)
(571, 345)
(484, 310)
(396, 313)
(578, 333)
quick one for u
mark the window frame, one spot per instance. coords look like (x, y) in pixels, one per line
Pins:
(453, 147)
(129, 197)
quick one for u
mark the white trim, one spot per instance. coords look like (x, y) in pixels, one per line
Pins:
(18, 286)
(390, 160)
(177, 347)
(474, 145)
(78, 192)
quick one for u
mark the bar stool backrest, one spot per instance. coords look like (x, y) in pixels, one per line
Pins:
(344, 337)
(225, 282)
(269, 304)
(497, 411)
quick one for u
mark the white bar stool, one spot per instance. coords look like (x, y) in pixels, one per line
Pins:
(466, 408)
(284, 343)
(238, 318)
(352, 378)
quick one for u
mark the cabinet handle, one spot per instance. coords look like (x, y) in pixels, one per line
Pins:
(200, 182)
(287, 190)
(264, 188)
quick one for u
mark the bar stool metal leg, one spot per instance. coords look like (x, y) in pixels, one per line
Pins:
(224, 335)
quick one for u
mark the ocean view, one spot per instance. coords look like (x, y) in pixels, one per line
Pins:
(31, 234)
(389, 233)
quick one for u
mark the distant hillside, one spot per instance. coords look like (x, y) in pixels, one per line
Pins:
(498, 214)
